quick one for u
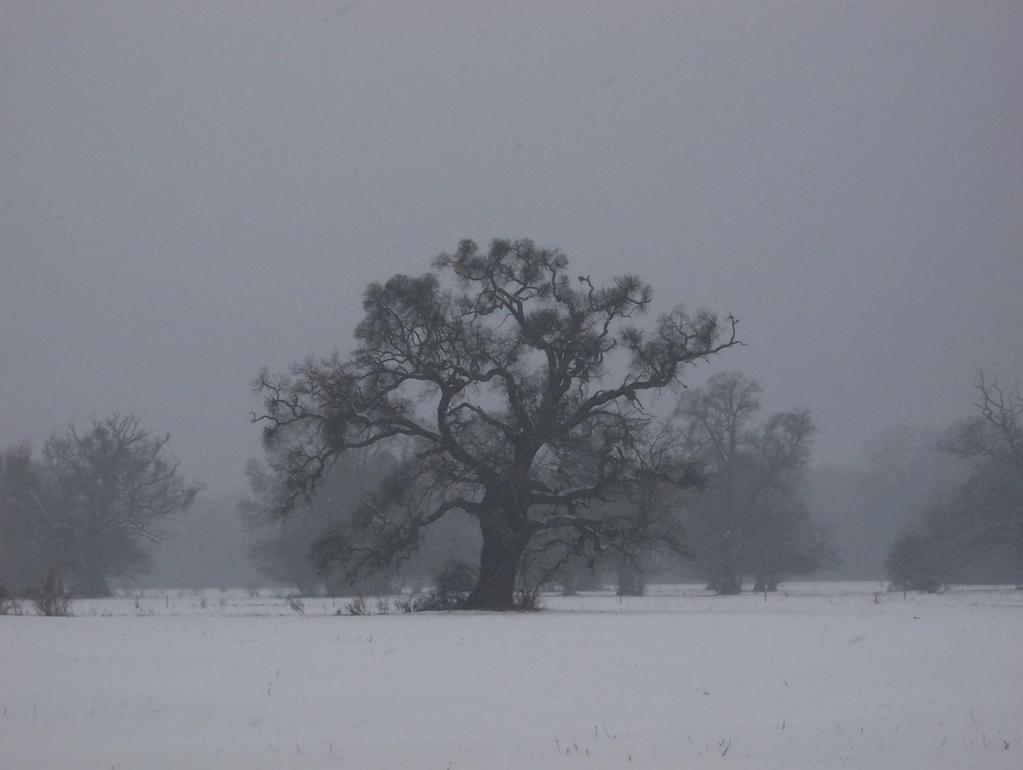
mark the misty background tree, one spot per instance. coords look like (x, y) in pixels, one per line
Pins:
(494, 372)
(975, 534)
(900, 474)
(90, 506)
(648, 511)
(783, 539)
(283, 550)
(664, 483)
(750, 517)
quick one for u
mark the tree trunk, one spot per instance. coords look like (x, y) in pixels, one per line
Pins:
(728, 585)
(569, 579)
(578, 574)
(499, 566)
(631, 580)
(90, 583)
(728, 579)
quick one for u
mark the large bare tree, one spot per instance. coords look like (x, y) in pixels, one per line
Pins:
(513, 389)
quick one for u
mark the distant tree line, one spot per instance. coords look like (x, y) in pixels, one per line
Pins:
(503, 425)
(713, 490)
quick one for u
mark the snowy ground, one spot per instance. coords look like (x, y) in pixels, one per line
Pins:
(820, 676)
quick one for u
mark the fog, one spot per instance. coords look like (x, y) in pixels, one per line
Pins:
(191, 192)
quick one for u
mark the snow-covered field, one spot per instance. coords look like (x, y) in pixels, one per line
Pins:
(819, 676)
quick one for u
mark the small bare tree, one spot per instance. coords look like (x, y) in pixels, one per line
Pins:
(50, 597)
(9, 603)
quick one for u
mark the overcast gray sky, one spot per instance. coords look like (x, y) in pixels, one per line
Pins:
(191, 191)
